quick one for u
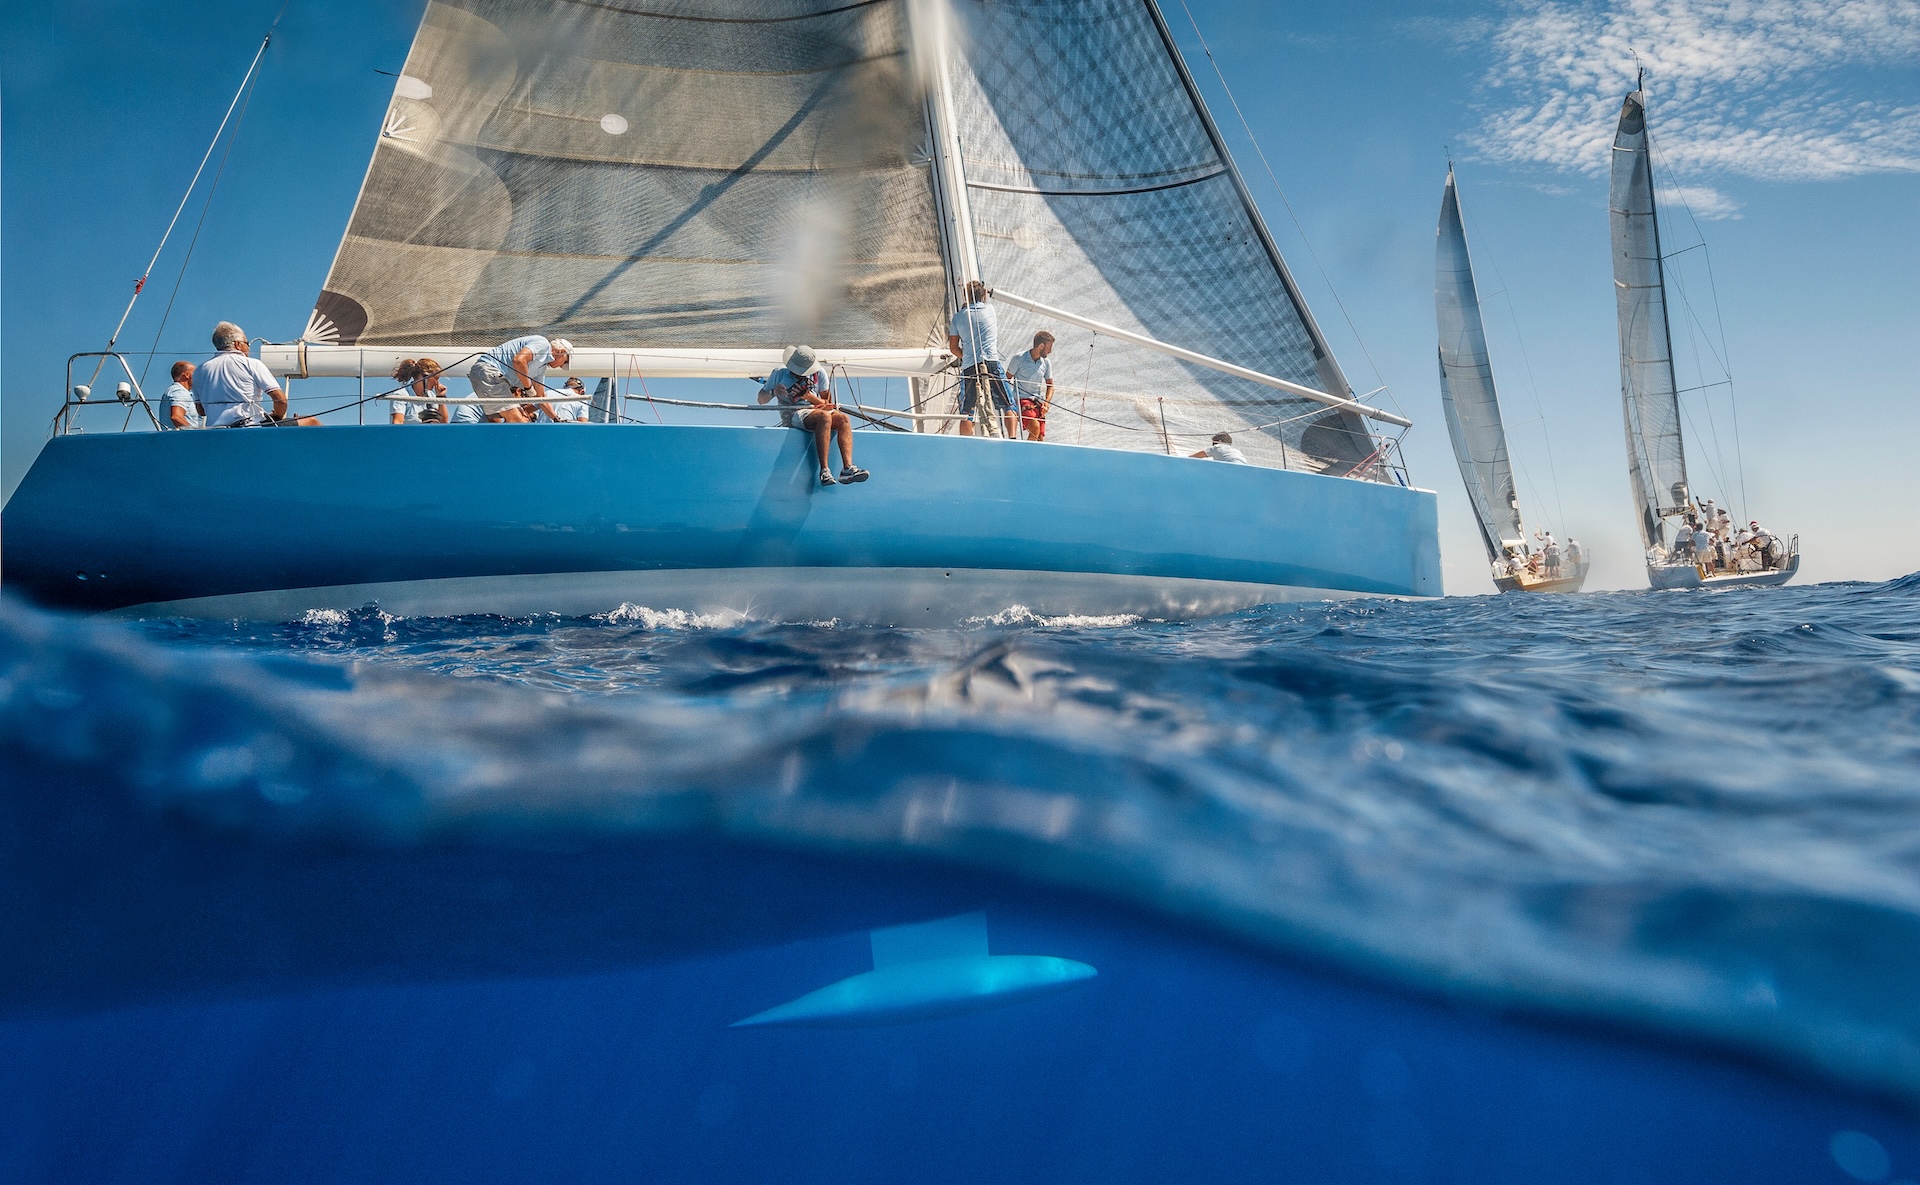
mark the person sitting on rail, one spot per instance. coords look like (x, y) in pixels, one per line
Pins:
(1222, 449)
(513, 369)
(178, 408)
(974, 337)
(1030, 374)
(801, 386)
(231, 383)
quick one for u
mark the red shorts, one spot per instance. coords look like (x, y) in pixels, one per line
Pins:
(1032, 409)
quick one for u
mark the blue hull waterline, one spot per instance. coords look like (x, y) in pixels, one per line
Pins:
(521, 519)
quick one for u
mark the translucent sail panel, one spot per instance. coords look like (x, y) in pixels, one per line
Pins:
(1655, 456)
(743, 173)
(1466, 384)
(1097, 185)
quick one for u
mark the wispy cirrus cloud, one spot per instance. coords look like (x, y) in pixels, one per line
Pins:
(1766, 89)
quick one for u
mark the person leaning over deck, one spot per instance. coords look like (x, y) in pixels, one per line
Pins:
(1222, 449)
(799, 385)
(975, 337)
(512, 370)
(178, 408)
(1030, 374)
(229, 386)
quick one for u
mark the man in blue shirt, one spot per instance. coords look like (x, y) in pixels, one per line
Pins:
(512, 370)
(974, 336)
(804, 388)
(178, 408)
(1030, 374)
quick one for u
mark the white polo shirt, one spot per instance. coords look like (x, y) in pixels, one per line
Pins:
(233, 388)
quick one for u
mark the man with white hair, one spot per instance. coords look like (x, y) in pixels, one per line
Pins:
(802, 386)
(231, 385)
(511, 370)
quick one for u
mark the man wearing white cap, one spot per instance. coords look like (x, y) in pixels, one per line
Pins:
(802, 386)
(512, 370)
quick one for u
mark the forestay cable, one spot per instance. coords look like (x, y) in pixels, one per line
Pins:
(245, 83)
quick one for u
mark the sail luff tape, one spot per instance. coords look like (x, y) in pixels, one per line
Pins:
(1199, 359)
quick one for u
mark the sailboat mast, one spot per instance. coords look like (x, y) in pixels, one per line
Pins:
(1660, 277)
(1650, 399)
(930, 36)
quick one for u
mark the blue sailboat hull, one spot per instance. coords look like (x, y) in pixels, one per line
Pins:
(581, 518)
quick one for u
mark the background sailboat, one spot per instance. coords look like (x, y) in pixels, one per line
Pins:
(1473, 418)
(1656, 448)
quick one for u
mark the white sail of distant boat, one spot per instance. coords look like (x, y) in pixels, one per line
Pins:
(1472, 408)
(1649, 393)
(733, 175)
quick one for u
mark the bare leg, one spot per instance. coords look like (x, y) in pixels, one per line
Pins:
(843, 428)
(819, 423)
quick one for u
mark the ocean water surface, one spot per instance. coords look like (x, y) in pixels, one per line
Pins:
(1618, 888)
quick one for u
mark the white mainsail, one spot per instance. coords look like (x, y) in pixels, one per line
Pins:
(1466, 385)
(741, 174)
(1656, 456)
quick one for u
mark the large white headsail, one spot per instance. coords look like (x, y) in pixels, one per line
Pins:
(1466, 384)
(1656, 458)
(1098, 184)
(728, 173)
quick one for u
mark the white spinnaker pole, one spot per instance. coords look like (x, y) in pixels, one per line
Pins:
(1199, 359)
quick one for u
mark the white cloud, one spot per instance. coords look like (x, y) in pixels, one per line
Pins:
(1768, 89)
(1707, 203)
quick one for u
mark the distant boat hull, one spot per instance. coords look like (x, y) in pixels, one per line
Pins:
(1671, 576)
(1544, 584)
(520, 519)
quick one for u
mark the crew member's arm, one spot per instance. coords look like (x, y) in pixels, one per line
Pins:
(522, 363)
(953, 345)
(279, 398)
(1049, 392)
(179, 417)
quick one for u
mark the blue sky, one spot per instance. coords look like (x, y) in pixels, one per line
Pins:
(1790, 128)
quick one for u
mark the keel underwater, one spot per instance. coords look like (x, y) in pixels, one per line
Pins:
(926, 971)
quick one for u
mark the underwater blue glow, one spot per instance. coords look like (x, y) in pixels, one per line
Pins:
(1471, 890)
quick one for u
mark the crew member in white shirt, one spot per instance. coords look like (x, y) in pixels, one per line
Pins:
(563, 412)
(1030, 374)
(178, 408)
(232, 386)
(974, 336)
(512, 370)
(1222, 449)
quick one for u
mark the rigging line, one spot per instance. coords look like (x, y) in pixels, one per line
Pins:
(1272, 177)
(246, 82)
(1725, 356)
(205, 209)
